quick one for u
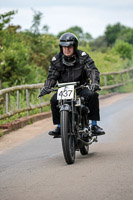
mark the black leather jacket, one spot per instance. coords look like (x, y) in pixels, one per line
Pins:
(83, 70)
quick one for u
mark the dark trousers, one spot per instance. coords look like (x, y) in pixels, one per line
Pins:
(92, 103)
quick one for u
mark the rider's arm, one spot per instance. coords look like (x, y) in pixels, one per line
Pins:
(91, 71)
(52, 77)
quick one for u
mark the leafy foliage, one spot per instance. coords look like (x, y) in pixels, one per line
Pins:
(99, 44)
(78, 31)
(36, 22)
(124, 49)
(25, 55)
(113, 32)
(127, 35)
(6, 18)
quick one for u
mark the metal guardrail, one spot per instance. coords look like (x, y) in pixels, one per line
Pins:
(125, 76)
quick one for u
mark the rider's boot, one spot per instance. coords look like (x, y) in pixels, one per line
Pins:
(55, 132)
(96, 130)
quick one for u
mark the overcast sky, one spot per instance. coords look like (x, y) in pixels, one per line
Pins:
(91, 15)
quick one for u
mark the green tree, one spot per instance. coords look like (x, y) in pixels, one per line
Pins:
(6, 18)
(43, 48)
(127, 35)
(45, 28)
(75, 30)
(113, 32)
(124, 49)
(14, 56)
(36, 22)
(99, 44)
(78, 31)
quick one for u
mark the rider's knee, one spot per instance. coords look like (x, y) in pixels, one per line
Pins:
(53, 100)
(92, 95)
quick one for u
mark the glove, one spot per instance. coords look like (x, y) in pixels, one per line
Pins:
(95, 87)
(44, 91)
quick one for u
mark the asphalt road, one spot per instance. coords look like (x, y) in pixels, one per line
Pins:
(36, 169)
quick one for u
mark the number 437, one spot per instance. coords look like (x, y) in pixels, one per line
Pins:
(65, 93)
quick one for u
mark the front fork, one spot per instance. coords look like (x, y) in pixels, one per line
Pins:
(70, 108)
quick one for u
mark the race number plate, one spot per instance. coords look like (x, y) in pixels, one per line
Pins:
(66, 92)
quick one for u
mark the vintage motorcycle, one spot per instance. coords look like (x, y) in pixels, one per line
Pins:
(76, 133)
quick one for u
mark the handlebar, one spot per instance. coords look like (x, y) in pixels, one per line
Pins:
(89, 86)
(76, 84)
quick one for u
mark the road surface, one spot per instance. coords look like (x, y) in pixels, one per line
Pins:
(35, 168)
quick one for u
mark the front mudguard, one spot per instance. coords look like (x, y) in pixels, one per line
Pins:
(65, 107)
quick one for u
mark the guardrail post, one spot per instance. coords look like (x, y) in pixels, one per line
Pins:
(40, 101)
(7, 102)
(123, 80)
(27, 100)
(17, 99)
(115, 80)
(0, 84)
(128, 77)
(131, 74)
(105, 80)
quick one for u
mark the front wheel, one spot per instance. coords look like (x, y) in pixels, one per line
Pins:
(68, 142)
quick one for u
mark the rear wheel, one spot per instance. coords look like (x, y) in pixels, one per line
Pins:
(68, 142)
(84, 149)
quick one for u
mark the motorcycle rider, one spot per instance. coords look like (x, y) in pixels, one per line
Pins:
(72, 65)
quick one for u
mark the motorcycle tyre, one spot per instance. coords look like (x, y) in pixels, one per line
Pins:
(68, 141)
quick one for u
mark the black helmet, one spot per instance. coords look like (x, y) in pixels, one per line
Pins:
(68, 39)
